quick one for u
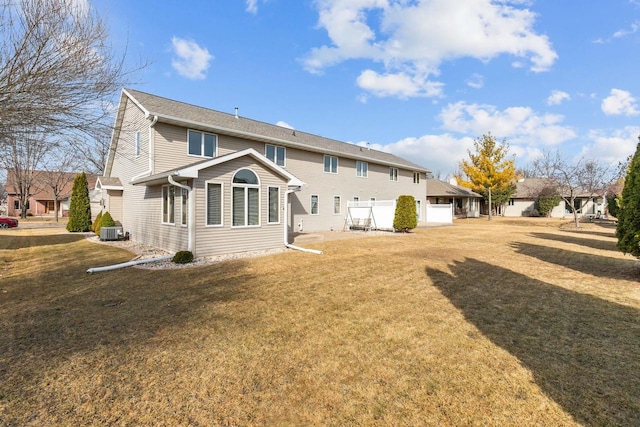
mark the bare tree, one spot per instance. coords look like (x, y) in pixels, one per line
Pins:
(21, 159)
(56, 172)
(93, 151)
(58, 73)
(583, 178)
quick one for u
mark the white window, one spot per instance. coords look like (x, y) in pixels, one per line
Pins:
(416, 177)
(276, 154)
(138, 143)
(214, 204)
(314, 204)
(418, 209)
(336, 204)
(362, 169)
(511, 202)
(330, 164)
(393, 174)
(184, 207)
(246, 199)
(274, 205)
(202, 144)
(168, 204)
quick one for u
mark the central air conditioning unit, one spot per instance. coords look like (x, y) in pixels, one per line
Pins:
(111, 233)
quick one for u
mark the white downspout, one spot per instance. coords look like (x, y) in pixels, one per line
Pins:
(151, 148)
(190, 219)
(129, 264)
(286, 225)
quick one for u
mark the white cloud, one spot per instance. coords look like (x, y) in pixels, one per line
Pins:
(411, 39)
(401, 85)
(438, 153)
(252, 6)
(613, 147)
(557, 97)
(627, 31)
(620, 102)
(520, 125)
(192, 60)
(284, 125)
(476, 81)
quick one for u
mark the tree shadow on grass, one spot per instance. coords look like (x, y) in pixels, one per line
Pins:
(583, 351)
(46, 323)
(596, 265)
(21, 242)
(580, 241)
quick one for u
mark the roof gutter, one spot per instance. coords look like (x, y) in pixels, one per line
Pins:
(151, 148)
(191, 212)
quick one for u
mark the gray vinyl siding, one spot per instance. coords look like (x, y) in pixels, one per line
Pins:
(227, 239)
(113, 203)
(147, 226)
(171, 153)
(127, 164)
(309, 167)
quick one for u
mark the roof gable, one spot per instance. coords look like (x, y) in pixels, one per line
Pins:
(193, 170)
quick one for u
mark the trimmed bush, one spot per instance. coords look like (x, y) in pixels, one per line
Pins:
(405, 217)
(544, 204)
(183, 257)
(96, 222)
(105, 221)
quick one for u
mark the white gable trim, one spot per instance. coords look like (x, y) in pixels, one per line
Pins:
(193, 171)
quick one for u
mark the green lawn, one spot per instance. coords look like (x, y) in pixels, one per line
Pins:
(508, 322)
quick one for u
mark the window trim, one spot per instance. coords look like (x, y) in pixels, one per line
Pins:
(202, 146)
(339, 199)
(416, 177)
(393, 174)
(330, 164)
(360, 171)
(184, 207)
(16, 204)
(171, 213)
(269, 205)
(275, 154)
(206, 204)
(317, 205)
(138, 144)
(246, 188)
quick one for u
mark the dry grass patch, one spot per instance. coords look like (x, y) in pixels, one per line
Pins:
(501, 323)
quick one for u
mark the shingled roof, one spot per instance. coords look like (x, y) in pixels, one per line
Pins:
(437, 188)
(183, 114)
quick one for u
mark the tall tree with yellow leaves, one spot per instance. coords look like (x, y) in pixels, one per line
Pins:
(489, 171)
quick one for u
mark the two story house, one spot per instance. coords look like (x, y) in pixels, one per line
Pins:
(184, 177)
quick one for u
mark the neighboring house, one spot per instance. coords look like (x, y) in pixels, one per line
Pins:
(180, 177)
(42, 199)
(527, 191)
(464, 202)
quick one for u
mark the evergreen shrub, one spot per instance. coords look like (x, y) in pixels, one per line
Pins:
(405, 217)
(183, 257)
(105, 221)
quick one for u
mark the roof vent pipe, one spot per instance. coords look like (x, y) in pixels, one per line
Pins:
(236, 112)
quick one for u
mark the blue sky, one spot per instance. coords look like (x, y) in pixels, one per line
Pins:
(420, 79)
